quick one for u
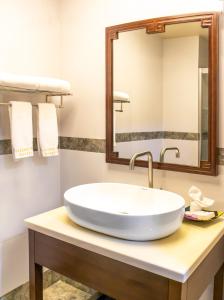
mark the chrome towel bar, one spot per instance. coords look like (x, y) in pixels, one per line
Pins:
(35, 105)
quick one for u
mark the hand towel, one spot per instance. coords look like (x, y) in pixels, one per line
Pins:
(20, 115)
(198, 201)
(47, 129)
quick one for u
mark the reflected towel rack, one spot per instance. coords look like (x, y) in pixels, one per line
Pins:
(30, 91)
(121, 103)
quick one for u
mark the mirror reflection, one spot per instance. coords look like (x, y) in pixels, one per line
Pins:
(160, 94)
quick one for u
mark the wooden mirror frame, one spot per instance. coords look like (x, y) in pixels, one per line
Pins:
(158, 25)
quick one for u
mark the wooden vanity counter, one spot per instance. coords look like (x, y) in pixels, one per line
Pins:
(177, 267)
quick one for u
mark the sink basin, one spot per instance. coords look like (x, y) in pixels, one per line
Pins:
(125, 211)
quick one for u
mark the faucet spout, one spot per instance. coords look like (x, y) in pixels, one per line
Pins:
(150, 165)
(163, 152)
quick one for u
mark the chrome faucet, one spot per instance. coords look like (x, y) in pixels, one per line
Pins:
(163, 151)
(150, 167)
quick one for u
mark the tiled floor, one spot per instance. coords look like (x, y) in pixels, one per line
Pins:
(64, 291)
(57, 287)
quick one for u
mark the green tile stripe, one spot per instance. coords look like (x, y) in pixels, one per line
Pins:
(151, 135)
(6, 146)
(221, 156)
(82, 144)
(70, 143)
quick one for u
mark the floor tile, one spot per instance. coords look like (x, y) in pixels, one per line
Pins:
(64, 291)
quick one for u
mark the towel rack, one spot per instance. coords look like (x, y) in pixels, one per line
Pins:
(29, 91)
(121, 103)
(35, 105)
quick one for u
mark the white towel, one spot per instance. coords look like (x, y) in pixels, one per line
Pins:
(120, 96)
(47, 129)
(54, 85)
(37, 83)
(198, 201)
(18, 81)
(20, 114)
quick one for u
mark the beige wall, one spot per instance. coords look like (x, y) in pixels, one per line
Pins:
(30, 44)
(138, 70)
(31, 41)
(180, 96)
(83, 29)
(127, 149)
(161, 77)
(180, 84)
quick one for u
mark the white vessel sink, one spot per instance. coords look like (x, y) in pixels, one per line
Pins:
(125, 211)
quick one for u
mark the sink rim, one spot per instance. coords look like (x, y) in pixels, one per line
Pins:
(125, 215)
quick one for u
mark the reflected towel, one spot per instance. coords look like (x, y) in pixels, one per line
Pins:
(20, 115)
(120, 96)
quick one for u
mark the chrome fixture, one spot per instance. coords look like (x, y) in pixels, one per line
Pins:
(163, 151)
(121, 103)
(150, 167)
(47, 101)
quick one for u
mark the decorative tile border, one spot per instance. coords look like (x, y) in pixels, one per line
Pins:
(188, 136)
(69, 143)
(99, 145)
(83, 144)
(6, 146)
(151, 135)
(138, 136)
(221, 156)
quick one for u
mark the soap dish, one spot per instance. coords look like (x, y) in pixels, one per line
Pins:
(202, 216)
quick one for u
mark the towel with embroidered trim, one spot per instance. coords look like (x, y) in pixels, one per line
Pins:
(20, 115)
(47, 129)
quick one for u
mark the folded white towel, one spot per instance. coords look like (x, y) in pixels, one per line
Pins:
(54, 85)
(18, 81)
(198, 201)
(20, 114)
(35, 83)
(120, 96)
(47, 129)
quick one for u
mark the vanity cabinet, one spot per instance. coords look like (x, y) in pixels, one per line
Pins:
(178, 267)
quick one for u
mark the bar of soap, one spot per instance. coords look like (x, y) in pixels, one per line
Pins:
(199, 215)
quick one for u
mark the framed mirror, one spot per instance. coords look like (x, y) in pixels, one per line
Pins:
(161, 92)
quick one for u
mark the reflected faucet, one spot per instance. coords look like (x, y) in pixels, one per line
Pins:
(163, 151)
(150, 167)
